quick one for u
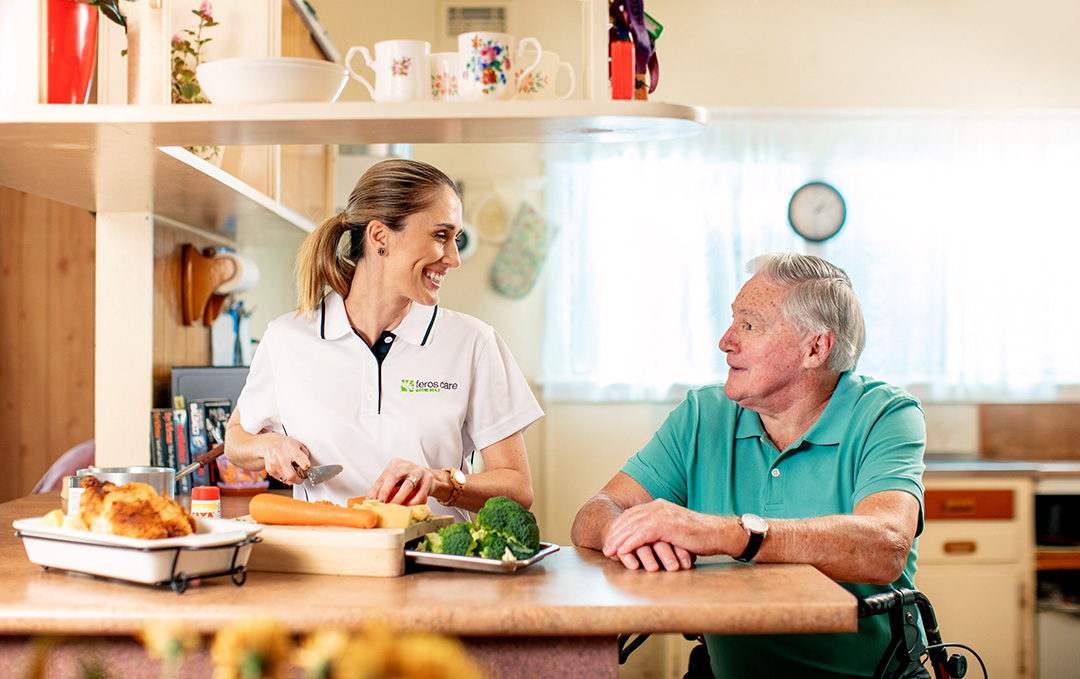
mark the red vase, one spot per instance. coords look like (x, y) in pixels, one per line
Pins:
(72, 44)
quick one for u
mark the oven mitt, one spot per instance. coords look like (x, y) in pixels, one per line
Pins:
(522, 254)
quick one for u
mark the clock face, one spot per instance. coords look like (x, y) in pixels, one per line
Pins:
(817, 211)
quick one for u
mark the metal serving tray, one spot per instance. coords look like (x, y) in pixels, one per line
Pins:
(220, 547)
(475, 563)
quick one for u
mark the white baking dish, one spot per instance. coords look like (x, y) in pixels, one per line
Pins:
(219, 547)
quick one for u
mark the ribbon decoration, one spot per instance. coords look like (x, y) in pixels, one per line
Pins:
(630, 22)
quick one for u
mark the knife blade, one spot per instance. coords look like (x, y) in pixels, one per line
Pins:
(316, 474)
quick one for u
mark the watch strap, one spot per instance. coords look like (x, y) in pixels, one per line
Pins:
(458, 486)
(752, 547)
(756, 538)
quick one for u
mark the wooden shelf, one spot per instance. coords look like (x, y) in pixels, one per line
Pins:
(107, 158)
(367, 122)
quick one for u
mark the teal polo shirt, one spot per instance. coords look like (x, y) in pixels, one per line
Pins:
(713, 456)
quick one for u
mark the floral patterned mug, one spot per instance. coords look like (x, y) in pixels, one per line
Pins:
(542, 83)
(445, 76)
(402, 70)
(487, 69)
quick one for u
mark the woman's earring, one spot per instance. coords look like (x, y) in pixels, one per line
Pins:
(382, 251)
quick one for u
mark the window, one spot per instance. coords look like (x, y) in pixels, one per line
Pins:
(961, 240)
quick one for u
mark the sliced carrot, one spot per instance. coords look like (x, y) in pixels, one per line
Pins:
(356, 501)
(273, 509)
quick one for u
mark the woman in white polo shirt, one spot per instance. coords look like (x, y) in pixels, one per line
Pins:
(375, 376)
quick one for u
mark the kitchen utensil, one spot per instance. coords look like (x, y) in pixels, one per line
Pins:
(254, 80)
(487, 67)
(219, 547)
(202, 460)
(319, 473)
(402, 70)
(476, 563)
(545, 80)
(161, 479)
(445, 76)
(335, 550)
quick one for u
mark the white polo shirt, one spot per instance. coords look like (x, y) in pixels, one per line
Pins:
(447, 385)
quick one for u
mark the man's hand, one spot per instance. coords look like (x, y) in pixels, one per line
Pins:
(655, 556)
(661, 530)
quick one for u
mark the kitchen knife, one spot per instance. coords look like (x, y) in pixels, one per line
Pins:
(319, 473)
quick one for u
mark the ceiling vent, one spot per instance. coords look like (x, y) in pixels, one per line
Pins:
(465, 16)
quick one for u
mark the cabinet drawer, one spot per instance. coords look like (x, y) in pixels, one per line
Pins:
(970, 542)
(968, 504)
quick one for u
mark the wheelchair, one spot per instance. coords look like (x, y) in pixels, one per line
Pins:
(904, 608)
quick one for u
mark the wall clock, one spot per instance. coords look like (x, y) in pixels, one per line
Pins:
(816, 211)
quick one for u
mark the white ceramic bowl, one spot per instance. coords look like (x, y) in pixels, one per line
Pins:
(261, 80)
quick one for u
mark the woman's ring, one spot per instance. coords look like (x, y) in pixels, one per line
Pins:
(411, 479)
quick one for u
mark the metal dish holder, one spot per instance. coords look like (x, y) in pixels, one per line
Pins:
(178, 581)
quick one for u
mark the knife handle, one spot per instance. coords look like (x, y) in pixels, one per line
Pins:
(302, 473)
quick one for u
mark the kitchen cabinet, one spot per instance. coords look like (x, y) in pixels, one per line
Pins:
(127, 164)
(976, 565)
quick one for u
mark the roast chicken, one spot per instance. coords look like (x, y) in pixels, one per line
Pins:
(134, 510)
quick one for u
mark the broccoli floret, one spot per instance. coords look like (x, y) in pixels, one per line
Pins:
(508, 519)
(494, 546)
(455, 539)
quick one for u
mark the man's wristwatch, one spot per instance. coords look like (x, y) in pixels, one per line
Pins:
(457, 480)
(757, 529)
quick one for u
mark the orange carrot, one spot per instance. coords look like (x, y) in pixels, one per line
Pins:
(355, 501)
(274, 509)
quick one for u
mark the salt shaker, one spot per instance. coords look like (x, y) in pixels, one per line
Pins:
(206, 502)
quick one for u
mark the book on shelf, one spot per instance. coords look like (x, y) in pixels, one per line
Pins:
(198, 443)
(217, 419)
(230, 478)
(183, 449)
(169, 434)
(157, 437)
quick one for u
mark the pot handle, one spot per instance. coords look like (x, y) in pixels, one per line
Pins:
(202, 460)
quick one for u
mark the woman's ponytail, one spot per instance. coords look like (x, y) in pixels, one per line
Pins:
(319, 264)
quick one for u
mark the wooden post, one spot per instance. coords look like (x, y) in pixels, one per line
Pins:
(148, 44)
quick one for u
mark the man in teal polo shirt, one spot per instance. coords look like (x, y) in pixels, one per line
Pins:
(794, 459)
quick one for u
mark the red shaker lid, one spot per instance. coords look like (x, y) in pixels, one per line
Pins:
(206, 493)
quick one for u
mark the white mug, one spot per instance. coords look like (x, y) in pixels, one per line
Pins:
(487, 69)
(445, 76)
(402, 70)
(543, 82)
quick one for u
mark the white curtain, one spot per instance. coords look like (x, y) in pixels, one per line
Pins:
(961, 239)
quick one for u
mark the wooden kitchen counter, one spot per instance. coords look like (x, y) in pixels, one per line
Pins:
(571, 594)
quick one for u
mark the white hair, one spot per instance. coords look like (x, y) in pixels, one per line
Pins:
(818, 297)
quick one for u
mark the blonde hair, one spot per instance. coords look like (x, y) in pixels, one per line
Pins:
(390, 192)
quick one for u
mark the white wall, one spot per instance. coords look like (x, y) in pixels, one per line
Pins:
(866, 53)
(829, 53)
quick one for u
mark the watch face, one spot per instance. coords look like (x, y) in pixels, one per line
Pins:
(754, 523)
(459, 476)
(817, 211)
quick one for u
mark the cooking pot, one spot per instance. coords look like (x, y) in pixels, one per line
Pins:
(161, 479)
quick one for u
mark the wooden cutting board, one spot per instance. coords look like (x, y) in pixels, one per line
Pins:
(332, 550)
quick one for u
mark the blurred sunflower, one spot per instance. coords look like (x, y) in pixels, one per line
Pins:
(429, 656)
(334, 654)
(168, 641)
(251, 649)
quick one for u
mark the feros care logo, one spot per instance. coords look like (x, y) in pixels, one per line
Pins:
(412, 386)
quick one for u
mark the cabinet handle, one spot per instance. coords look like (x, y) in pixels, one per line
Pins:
(960, 547)
(960, 506)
